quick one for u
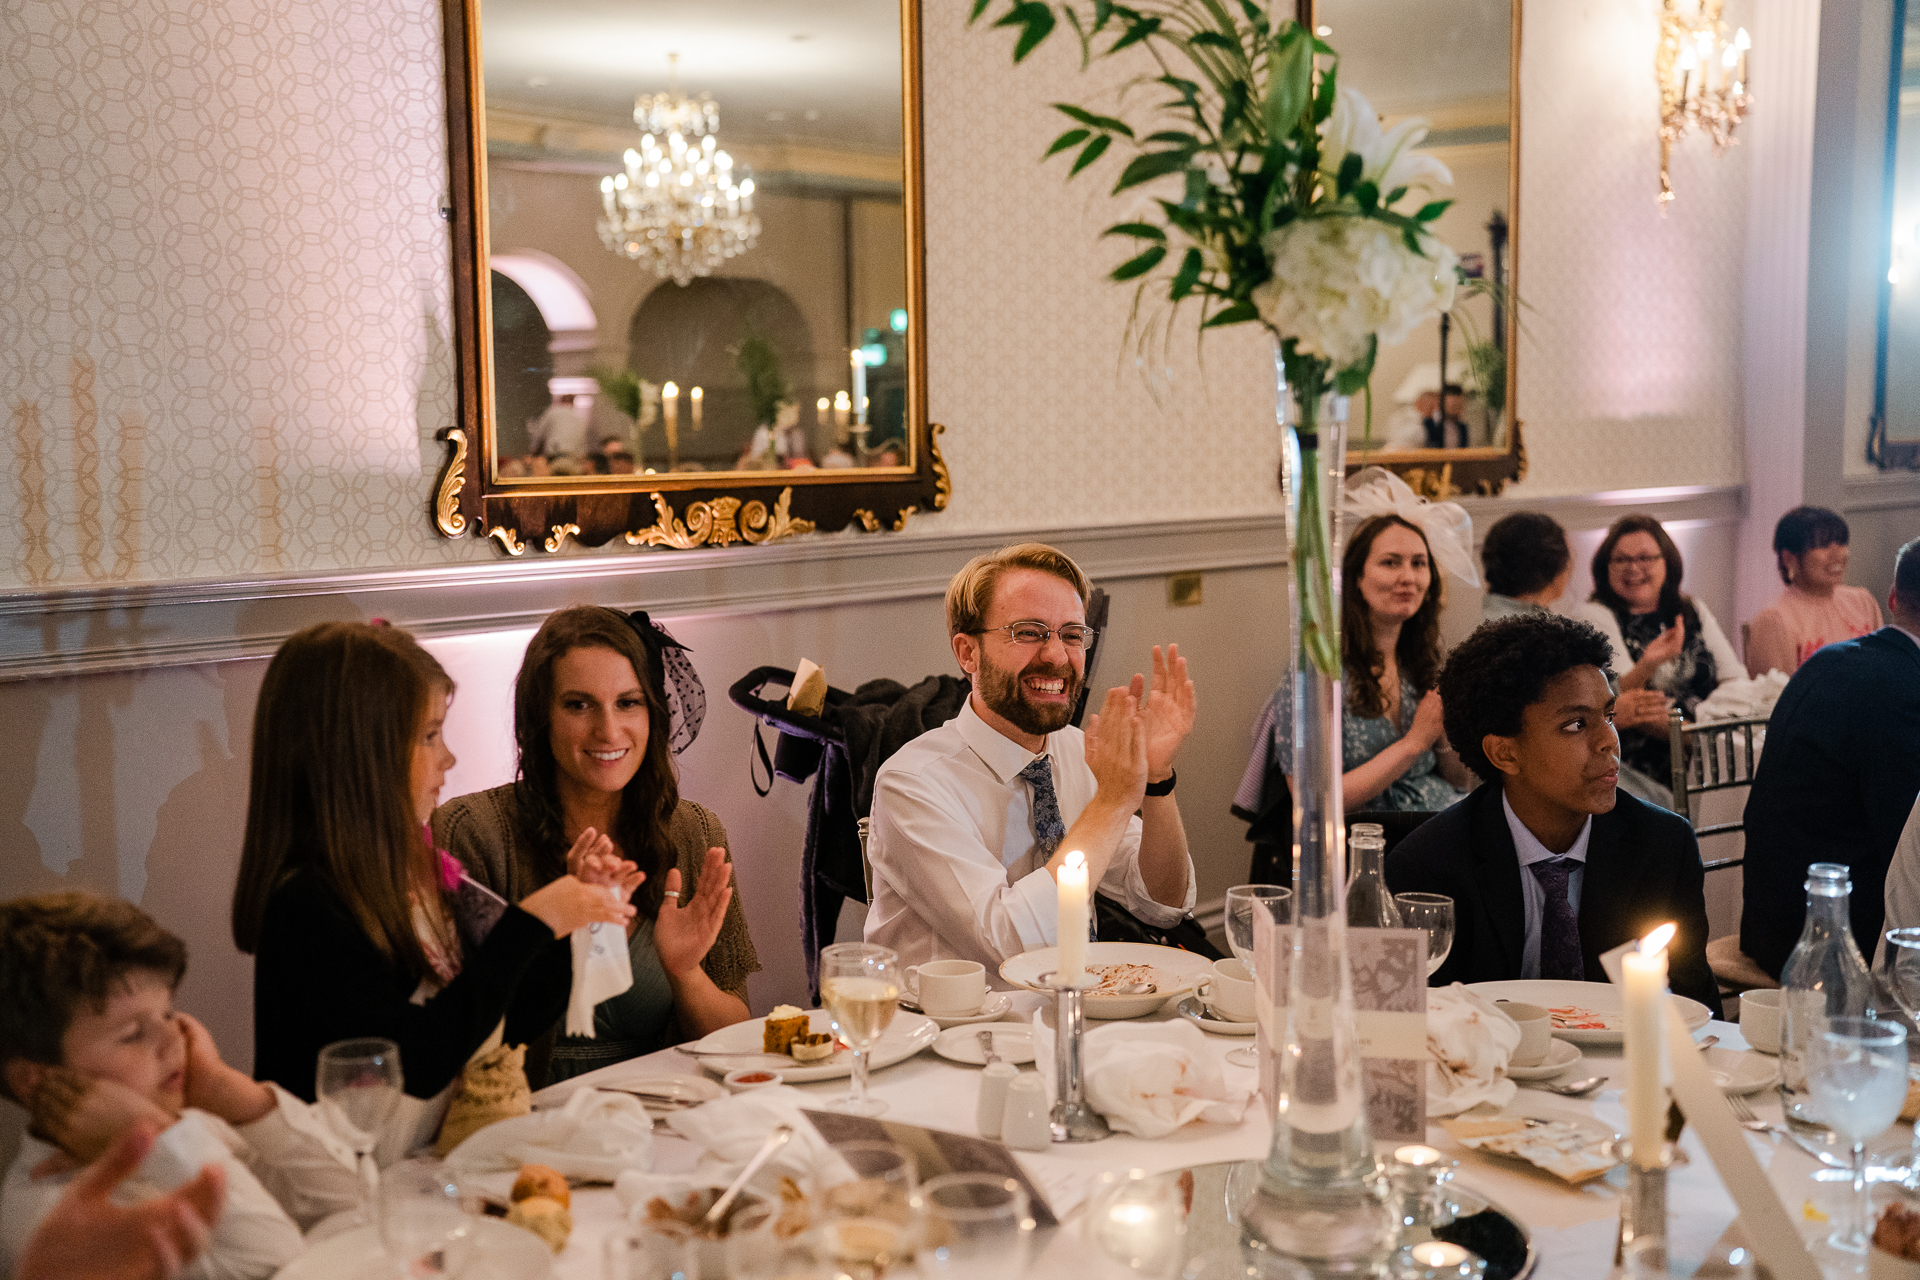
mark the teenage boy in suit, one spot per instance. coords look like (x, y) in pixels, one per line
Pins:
(1548, 864)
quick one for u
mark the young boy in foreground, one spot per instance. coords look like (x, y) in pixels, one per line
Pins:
(90, 1044)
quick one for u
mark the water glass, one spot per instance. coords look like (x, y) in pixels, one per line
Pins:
(860, 987)
(423, 1227)
(654, 1250)
(1434, 913)
(357, 1084)
(974, 1225)
(764, 1245)
(1858, 1080)
(1242, 902)
(869, 1225)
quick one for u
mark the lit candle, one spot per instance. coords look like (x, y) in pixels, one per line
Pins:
(1643, 975)
(670, 401)
(841, 407)
(820, 411)
(859, 361)
(698, 396)
(1435, 1260)
(1072, 892)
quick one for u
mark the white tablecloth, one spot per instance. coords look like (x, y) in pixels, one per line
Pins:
(1572, 1228)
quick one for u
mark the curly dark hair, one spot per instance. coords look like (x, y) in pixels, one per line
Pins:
(1502, 668)
(1418, 652)
(1524, 553)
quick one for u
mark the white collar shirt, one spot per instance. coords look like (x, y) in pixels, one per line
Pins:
(957, 874)
(1529, 849)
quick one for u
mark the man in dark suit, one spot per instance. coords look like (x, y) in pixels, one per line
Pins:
(1838, 777)
(1548, 864)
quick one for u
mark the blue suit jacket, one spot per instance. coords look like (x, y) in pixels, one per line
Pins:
(1836, 782)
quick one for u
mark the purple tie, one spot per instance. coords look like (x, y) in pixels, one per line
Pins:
(1559, 929)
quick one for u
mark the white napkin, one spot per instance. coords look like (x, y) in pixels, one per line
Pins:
(729, 1132)
(1742, 698)
(1469, 1042)
(1147, 1078)
(592, 1138)
(602, 969)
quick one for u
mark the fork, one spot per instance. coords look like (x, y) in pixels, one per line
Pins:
(1744, 1113)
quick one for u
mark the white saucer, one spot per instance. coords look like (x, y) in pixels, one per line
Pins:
(1738, 1072)
(1196, 1012)
(993, 1008)
(1012, 1041)
(1560, 1058)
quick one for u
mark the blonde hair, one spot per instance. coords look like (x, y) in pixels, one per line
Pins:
(971, 591)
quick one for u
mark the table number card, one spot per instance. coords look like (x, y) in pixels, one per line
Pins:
(1390, 1013)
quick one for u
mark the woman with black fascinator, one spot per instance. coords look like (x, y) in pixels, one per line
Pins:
(602, 702)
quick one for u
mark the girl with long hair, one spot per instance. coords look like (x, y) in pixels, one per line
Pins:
(592, 722)
(348, 910)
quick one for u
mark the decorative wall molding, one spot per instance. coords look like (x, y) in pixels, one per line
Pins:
(82, 630)
(1888, 491)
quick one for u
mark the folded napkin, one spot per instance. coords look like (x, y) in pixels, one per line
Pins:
(1742, 698)
(592, 1138)
(1469, 1042)
(1147, 1079)
(729, 1131)
(602, 969)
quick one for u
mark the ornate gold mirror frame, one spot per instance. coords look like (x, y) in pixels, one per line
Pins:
(1484, 471)
(675, 509)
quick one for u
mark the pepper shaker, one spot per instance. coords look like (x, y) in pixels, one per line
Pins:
(993, 1097)
(1027, 1123)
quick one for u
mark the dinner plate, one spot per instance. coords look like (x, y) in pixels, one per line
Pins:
(1559, 1060)
(992, 1009)
(1601, 999)
(1195, 1012)
(1737, 1071)
(739, 1046)
(1012, 1041)
(1176, 972)
(504, 1253)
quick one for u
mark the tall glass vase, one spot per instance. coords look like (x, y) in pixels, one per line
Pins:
(1320, 1201)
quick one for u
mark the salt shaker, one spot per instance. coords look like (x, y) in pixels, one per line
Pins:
(993, 1097)
(1027, 1123)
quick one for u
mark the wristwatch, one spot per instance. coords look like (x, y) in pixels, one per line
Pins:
(1163, 788)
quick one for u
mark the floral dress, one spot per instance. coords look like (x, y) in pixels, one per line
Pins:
(1419, 789)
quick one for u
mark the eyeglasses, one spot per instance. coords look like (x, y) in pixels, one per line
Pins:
(1075, 635)
(1641, 562)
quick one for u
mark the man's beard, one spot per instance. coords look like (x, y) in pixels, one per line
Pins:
(1002, 691)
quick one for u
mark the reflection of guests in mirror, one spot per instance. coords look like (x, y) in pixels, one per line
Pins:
(1448, 431)
(836, 457)
(1407, 429)
(889, 455)
(559, 432)
(617, 457)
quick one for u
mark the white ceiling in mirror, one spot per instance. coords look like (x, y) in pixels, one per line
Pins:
(825, 73)
(1445, 59)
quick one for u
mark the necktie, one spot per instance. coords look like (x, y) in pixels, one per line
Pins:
(1559, 929)
(1048, 830)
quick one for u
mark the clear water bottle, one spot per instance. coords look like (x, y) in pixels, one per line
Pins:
(1369, 903)
(1824, 978)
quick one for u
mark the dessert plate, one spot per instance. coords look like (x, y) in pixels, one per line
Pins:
(1013, 1042)
(739, 1046)
(1172, 971)
(1559, 1060)
(1583, 1012)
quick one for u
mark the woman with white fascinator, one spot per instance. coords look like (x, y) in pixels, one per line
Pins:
(1394, 756)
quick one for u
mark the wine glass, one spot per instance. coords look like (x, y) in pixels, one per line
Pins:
(869, 1224)
(974, 1225)
(422, 1224)
(357, 1084)
(764, 1245)
(860, 987)
(1243, 901)
(1434, 913)
(653, 1250)
(1858, 1078)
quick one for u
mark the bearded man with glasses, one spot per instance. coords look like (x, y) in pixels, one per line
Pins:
(973, 820)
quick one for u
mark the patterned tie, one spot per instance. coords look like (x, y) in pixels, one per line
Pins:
(1559, 928)
(1048, 830)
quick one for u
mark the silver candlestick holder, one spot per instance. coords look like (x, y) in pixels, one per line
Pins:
(1643, 1209)
(1072, 1119)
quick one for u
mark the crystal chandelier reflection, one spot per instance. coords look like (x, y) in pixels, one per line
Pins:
(682, 206)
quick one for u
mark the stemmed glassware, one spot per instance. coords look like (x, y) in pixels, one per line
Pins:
(871, 1224)
(977, 1227)
(1858, 1079)
(357, 1084)
(860, 987)
(1434, 913)
(1243, 902)
(422, 1223)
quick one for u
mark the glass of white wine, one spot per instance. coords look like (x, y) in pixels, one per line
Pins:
(1434, 913)
(860, 987)
(357, 1083)
(1243, 901)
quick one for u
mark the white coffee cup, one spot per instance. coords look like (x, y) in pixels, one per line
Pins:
(1228, 991)
(949, 988)
(1760, 1019)
(1536, 1031)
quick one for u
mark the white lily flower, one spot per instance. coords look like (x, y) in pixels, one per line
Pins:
(1387, 156)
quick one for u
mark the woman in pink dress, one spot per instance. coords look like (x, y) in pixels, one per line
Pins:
(1817, 608)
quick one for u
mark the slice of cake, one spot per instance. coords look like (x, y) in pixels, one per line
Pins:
(811, 1047)
(783, 1024)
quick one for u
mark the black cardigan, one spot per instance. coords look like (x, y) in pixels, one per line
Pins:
(317, 978)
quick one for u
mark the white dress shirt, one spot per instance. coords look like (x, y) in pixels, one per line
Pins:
(956, 874)
(1532, 895)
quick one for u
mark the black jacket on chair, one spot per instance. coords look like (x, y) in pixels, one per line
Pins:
(1643, 869)
(1835, 784)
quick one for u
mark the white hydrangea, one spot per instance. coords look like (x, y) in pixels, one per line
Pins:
(1337, 281)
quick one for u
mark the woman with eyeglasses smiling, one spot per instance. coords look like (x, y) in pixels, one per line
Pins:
(1667, 648)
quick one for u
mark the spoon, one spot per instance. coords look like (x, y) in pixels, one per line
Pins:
(775, 1140)
(986, 1048)
(1577, 1088)
(1708, 1043)
(1137, 989)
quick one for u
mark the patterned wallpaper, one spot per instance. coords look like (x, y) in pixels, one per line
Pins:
(224, 321)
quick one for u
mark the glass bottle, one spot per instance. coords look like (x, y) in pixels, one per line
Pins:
(1369, 902)
(1824, 978)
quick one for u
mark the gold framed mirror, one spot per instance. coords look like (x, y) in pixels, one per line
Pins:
(688, 272)
(1457, 64)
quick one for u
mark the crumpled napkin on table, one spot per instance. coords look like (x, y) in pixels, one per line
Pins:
(1742, 698)
(729, 1132)
(1147, 1079)
(592, 1138)
(1469, 1043)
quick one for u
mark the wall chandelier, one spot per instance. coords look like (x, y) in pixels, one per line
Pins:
(1703, 79)
(682, 206)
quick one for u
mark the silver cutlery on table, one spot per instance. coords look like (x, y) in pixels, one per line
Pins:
(1745, 1114)
(775, 1140)
(1576, 1089)
(991, 1056)
(1136, 989)
(1708, 1043)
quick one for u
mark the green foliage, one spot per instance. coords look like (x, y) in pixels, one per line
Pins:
(621, 387)
(759, 363)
